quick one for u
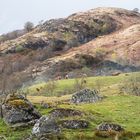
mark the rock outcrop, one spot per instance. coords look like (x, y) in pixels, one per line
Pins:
(74, 124)
(61, 113)
(18, 111)
(86, 96)
(109, 127)
(44, 126)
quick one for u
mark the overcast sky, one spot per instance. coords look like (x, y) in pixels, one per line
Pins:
(14, 13)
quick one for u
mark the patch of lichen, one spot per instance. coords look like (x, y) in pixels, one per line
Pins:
(12, 97)
(18, 103)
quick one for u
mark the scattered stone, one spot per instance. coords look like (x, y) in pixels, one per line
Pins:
(109, 127)
(45, 106)
(45, 125)
(74, 124)
(61, 112)
(86, 96)
(48, 105)
(18, 111)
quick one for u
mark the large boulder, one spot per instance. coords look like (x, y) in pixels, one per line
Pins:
(44, 126)
(74, 124)
(18, 111)
(61, 113)
(109, 127)
(86, 96)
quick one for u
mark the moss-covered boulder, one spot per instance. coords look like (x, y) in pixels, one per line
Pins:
(109, 129)
(86, 96)
(44, 126)
(74, 124)
(18, 111)
(65, 112)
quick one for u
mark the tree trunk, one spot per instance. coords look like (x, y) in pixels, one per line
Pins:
(1, 111)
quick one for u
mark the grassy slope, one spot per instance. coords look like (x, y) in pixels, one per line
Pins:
(62, 85)
(121, 109)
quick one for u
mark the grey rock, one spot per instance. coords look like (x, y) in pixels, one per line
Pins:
(109, 127)
(61, 112)
(45, 106)
(18, 111)
(57, 44)
(86, 96)
(18, 125)
(74, 124)
(45, 125)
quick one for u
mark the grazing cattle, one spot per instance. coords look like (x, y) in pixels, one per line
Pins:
(67, 76)
(58, 78)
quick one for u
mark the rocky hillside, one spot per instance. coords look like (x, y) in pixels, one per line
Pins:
(97, 42)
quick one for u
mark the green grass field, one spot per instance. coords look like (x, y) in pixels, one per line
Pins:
(119, 108)
(64, 87)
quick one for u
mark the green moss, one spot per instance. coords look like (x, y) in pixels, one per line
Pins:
(19, 48)
(18, 103)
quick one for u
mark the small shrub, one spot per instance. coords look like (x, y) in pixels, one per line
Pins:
(98, 84)
(28, 26)
(68, 35)
(87, 71)
(136, 10)
(105, 28)
(131, 85)
(80, 84)
(100, 53)
(50, 87)
(19, 48)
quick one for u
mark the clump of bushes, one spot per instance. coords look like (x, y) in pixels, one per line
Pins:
(48, 89)
(131, 85)
(80, 84)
